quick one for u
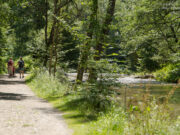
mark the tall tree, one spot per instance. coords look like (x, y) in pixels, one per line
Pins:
(103, 33)
(58, 4)
(85, 51)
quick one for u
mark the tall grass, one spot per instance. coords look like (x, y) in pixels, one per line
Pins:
(146, 118)
(112, 123)
(47, 86)
(153, 120)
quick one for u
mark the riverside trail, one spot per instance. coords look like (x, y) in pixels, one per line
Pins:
(22, 113)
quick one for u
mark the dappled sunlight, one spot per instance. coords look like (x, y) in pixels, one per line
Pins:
(108, 67)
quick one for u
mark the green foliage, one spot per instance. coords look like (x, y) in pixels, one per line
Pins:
(93, 98)
(61, 75)
(3, 65)
(154, 119)
(30, 63)
(97, 97)
(69, 51)
(112, 123)
(3, 50)
(147, 117)
(106, 70)
(149, 29)
(169, 73)
(143, 34)
(45, 85)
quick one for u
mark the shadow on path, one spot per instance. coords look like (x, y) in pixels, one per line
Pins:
(12, 96)
(10, 82)
(3, 76)
(48, 110)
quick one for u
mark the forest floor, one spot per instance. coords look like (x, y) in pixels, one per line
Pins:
(22, 113)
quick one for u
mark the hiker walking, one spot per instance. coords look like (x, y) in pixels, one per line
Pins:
(10, 67)
(21, 67)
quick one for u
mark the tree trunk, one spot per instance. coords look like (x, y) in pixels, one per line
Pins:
(104, 31)
(46, 35)
(55, 48)
(52, 39)
(105, 28)
(50, 58)
(56, 58)
(85, 51)
(57, 7)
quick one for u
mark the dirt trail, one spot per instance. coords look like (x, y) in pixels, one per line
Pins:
(22, 113)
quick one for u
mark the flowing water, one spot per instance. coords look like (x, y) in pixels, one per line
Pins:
(136, 92)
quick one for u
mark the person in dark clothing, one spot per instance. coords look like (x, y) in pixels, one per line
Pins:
(21, 67)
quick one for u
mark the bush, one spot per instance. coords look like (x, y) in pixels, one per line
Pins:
(98, 97)
(61, 75)
(3, 65)
(29, 62)
(170, 73)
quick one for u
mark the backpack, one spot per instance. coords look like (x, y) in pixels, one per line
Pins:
(21, 63)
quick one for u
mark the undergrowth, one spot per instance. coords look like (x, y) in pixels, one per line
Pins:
(47, 86)
(146, 118)
(93, 108)
(170, 73)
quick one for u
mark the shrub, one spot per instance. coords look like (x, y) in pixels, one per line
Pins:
(170, 73)
(97, 97)
(61, 75)
(3, 65)
(29, 62)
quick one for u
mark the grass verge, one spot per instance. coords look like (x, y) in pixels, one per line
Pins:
(81, 113)
(58, 95)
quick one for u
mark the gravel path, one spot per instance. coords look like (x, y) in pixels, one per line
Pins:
(22, 113)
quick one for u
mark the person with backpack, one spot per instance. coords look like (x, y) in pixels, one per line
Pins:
(10, 65)
(21, 67)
